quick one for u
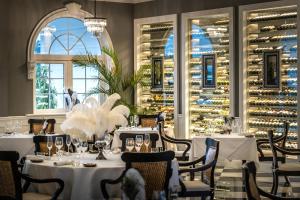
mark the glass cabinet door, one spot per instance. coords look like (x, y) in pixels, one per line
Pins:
(208, 74)
(270, 71)
(155, 53)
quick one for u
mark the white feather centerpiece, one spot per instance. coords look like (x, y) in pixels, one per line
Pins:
(91, 118)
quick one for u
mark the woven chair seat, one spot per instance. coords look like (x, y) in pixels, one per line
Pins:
(196, 186)
(35, 196)
(289, 167)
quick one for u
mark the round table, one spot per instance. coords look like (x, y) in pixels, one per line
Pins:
(83, 182)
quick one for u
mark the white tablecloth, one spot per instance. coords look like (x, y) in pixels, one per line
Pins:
(232, 147)
(118, 143)
(22, 143)
(83, 183)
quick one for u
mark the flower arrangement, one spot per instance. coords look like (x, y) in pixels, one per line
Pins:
(91, 118)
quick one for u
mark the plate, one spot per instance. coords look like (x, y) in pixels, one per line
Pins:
(89, 164)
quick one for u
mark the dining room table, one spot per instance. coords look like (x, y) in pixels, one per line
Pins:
(20, 142)
(117, 143)
(232, 147)
(81, 182)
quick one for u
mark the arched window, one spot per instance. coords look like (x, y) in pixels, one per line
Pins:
(56, 40)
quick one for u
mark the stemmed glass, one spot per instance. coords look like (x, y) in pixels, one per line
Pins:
(131, 119)
(68, 142)
(129, 144)
(136, 120)
(49, 145)
(59, 144)
(75, 142)
(147, 140)
(138, 142)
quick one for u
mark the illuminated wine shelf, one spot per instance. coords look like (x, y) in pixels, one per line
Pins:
(208, 33)
(155, 39)
(268, 30)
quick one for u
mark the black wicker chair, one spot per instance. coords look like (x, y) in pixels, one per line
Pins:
(284, 169)
(204, 187)
(155, 168)
(180, 155)
(149, 120)
(10, 184)
(252, 190)
(36, 126)
(266, 154)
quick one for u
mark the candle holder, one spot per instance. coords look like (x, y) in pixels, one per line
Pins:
(100, 145)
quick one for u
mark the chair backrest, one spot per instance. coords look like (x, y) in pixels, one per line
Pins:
(211, 156)
(249, 174)
(155, 168)
(282, 139)
(10, 179)
(123, 136)
(274, 152)
(40, 142)
(148, 120)
(36, 125)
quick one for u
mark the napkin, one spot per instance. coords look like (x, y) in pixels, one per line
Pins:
(31, 157)
(62, 163)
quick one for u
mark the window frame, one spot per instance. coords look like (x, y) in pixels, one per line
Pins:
(71, 10)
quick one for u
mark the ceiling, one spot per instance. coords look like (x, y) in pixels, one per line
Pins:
(126, 1)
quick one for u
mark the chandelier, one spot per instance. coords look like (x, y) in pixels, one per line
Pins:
(95, 24)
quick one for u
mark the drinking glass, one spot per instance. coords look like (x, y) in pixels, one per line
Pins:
(75, 142)
(59, 142)
(147, 140)
(129, 144)
(68, 142)
(136, 120)
(49, 144)
(131, 120)
(84, 146)
(138, 142)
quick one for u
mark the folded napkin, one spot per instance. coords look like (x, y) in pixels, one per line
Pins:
(62, 163)
(31, 157)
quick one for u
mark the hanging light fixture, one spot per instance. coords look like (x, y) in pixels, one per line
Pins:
(95, 24)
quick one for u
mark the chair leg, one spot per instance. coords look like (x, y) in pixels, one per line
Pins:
(275, 184)
(287, 181)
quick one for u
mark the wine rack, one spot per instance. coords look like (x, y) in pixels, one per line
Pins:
(155, 39)
(267, 30)
(208, 33)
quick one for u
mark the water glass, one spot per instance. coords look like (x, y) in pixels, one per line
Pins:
(131, 120)
(129, 144)
(75, 142)
(49, 144)
(68, 142)
(147, 140)
(138, 142)
(84, 146)
(136, 120)
(59, 142)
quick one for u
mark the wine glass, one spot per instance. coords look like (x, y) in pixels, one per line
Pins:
(68, 142)
(136, 120)
(75, 142)
(49, 144)
(131, 119)
(138, 142)
(147, 140)
(59, 144)
(129, 144)
(84, 146)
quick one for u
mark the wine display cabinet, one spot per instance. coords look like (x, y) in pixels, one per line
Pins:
(207, 51)
(269, 73)
(155, 51)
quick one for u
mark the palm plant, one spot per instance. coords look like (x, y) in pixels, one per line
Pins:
(112, 78)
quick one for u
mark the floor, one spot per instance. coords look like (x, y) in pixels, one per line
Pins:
(229, 181)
